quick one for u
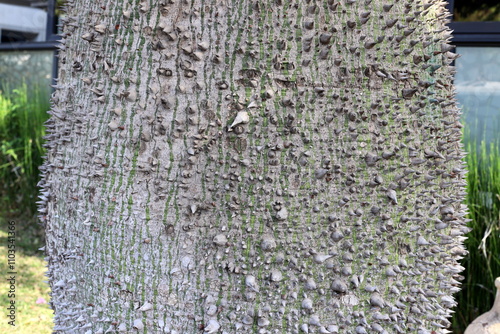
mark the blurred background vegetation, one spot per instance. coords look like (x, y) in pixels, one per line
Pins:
(25, 78)
(478, 90)
(23, 110)
(482, 264)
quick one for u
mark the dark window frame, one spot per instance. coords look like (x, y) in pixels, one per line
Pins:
(486, 33)
(51, 36)
(50, 43)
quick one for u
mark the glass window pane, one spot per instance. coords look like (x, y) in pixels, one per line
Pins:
(478, 91)
(476, 10)
(23, 21)
(33, 68)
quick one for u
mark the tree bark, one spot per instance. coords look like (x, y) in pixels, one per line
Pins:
(254, 167)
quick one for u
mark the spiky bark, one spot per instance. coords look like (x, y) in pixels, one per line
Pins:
(254, 167)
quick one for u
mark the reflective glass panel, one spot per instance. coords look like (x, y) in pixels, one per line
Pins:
(478, 91)
(33, 68)
(23, 21)
(476, 10)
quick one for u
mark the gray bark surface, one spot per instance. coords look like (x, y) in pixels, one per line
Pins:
(254, 167)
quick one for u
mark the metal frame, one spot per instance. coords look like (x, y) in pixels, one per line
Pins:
(50, 35)
(49, 44)
(51, 18)
(474, 33)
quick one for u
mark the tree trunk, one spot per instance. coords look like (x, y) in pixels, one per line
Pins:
(254, 167)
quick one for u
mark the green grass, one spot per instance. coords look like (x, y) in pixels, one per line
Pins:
(22, 114)
(30, 287)
(482, 264)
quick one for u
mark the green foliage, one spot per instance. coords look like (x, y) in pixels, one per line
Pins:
(22, 114)
(482, 264)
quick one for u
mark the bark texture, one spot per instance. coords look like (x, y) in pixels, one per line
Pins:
(254, 167)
